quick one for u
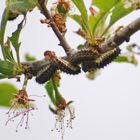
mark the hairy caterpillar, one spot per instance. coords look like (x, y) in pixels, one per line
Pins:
(38, 65)
(102, 60)
(107, 57)
(84, 55)
(45, 74)
(67, 67)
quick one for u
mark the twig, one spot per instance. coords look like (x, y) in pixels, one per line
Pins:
(111, 43)
(61, 38)
(121, 36)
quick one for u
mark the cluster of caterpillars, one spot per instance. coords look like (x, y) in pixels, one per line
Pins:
(85, 59)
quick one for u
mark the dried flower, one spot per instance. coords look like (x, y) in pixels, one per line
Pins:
(60, 22)
(63, 110)
(59, 13)
(21, 107)
(63, 6)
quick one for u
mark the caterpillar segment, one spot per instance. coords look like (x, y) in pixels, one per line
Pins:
(84, 55)
(107, 57)
(101, 61)
(67, 67)
(45, 74)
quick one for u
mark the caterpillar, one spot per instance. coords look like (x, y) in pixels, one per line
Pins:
(107, 57)
(102, 60)
(84, 55)
(45, 74)
(38, 65)
(67, 67)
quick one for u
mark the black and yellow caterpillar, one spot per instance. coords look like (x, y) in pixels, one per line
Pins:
(102, 60)
(46, 72)
(89, 58)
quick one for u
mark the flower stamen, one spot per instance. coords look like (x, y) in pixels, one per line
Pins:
(20, 107)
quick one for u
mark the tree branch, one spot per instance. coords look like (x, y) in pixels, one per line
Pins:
(90, 54)
(121, 36)
(61, 38)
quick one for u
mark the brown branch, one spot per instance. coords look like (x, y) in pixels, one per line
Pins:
(90, 55)
(61, 38)
(121, 36)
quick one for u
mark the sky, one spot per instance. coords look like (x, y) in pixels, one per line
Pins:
(106, 108)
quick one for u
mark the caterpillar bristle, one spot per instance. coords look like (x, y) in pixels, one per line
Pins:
(84, 55)
(87, 66)
(107, 58)
(45, 74)
(101, 61)
(67, 67)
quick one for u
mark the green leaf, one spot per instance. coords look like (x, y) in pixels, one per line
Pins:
(126, 59)
(58, 96)
(50, 90)
(15, 39)
(80, 46)
(2, 29)
(82, 19)
(53, 92)
(22, 6)
(10, 69)
(95, 25)
(92, 75)
(79, 20)
(8, 52)
(76, 18)
(100, 24)
(105, 5)
(2, 76)
(92, 22)
(82, 8)
(118, 12)
(6, 91)
(3, 25)
(121, 59)
(6, 68)
(28, 57)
